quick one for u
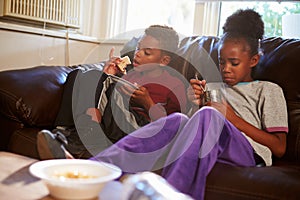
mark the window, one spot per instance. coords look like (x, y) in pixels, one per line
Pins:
(176, 13)
(280, 18)
(203, 17)
(57, 18)
(187, 17)
(121, 19)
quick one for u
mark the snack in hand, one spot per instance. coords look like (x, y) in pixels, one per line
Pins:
(123, 64)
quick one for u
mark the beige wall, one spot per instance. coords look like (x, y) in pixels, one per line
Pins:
(22, 50)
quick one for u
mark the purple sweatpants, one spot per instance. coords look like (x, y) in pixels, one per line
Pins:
(186, 149)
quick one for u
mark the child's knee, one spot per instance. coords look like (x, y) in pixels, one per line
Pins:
(177, 116)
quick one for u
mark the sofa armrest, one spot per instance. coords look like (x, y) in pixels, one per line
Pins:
(27, 94)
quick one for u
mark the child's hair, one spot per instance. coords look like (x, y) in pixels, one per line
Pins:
(246, 24)
(167, 37)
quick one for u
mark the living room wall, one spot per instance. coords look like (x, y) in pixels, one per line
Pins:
(23, 50)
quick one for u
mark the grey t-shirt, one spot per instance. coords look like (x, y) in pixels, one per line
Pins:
(262, 104)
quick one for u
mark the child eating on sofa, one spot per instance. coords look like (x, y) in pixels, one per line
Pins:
(121, 109)
(250, 125)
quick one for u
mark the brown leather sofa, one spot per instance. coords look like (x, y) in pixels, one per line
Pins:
(30, 99)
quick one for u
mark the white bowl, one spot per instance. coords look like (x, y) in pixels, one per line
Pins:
(74, 178)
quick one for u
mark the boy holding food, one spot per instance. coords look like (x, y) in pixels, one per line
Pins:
(146, 93)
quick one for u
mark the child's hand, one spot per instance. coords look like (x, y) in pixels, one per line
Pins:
(111, 65)
(94, 113)
(138, 97)
(196, 91)
(141, 98)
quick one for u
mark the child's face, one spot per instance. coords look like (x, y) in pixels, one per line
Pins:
(148, 54)
(235, 62)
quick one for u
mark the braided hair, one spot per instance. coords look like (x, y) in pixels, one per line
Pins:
(245, 24)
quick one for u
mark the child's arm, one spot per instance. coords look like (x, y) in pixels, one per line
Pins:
(276, 142)
(95, 114)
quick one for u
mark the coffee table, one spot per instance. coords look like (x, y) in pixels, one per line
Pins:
(17, 183)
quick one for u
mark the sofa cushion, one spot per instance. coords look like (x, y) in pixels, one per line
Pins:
(8, 126)
(233, 182)
(23, 141)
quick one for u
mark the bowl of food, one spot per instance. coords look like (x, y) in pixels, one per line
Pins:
(74, 178)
